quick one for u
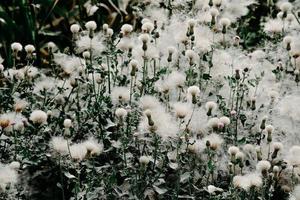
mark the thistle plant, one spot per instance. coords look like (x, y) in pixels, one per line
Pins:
(170, 104)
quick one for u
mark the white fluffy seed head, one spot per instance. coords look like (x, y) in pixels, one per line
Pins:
(276, 169)
(29, 48)
(287, 40)
(14, 165)
(110, 32)
(126, 29)
(225, 120)
(134, 63)
(51, 45)
(144, 37)
(255, 180)
(240, 155)
(263, 165)
(233, 150)
(193, 90)
(277, 146)
(269, 129)
(105, 27)
(147, 27)
(148, 113)
(74, 28)
(86, 54)
(144, 160)
(67, 123)
(285, 7)
(213, 122)
(59, 144)
(214, 12)
(217, 2)
(190, 54)
(211, 105)
(171, 50)
(93, 147)
(91, 25)
(121, 112)
(192, 22)
(38, 117)
(16, 46)
(225, 22)
(290, 17)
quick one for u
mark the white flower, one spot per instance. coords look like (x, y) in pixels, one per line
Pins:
(191, 22)
(38, 117)
(213, 122)
(105, 27)
(190, 54)
(233, 150)
(241, 182)
(51, 45)
(255, 180)
(193, 90)
(273, 26)
(15, 165)
(214, 12)
(67, 123)
(210, 105)
(147, 27)
(16, 46)
(171, 50)
(29, 48)
(285, 6)
(7, 176)
(93, 146)
(126, 29)
(91, 25)
(121, 113)
(287, 40)
(217, 2)
(78, 151)
(144, 160)
(177, 78)
(75, 28)
(269, 129)
(86, 54)
(240, 155)
(181, 109)
(144, 37)
(59, 144)
(120, 95)
(110, 32)
(263, 165)
(214, 140)
(225, 22)
(277, 146)
(225, 120)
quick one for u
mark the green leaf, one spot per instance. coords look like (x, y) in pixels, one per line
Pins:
(69, 176)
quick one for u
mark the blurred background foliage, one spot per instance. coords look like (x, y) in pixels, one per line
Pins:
(39, 21)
